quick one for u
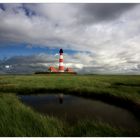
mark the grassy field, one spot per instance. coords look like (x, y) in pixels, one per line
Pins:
(126, 87)
(29, 123)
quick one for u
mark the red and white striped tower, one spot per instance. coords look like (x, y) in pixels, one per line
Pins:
(61, 65)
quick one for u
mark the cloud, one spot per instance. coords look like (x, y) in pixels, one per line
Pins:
(103, 12)
(55, 24)
(108, 32)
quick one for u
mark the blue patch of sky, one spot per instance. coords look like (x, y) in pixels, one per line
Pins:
(8, 50)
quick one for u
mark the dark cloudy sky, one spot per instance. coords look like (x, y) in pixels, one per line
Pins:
(96, 38)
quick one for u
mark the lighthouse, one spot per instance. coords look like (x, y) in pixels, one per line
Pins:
(61, 65)
(60, 69)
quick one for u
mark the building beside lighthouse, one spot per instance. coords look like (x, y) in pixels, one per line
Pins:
(61, 68)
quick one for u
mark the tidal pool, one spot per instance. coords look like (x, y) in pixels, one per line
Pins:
(72, 108)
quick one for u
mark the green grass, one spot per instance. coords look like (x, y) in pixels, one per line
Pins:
(17, 119)
(99, 129)
(121, 86)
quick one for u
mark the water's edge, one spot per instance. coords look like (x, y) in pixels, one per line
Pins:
(128, 104)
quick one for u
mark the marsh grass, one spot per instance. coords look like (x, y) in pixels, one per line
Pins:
(97, 129)
(125, 87)
(17, 119)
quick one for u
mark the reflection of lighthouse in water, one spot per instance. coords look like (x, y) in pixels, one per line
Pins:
(61, 65)
(61, 98)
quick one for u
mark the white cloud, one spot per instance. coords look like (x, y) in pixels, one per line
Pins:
(7, 66)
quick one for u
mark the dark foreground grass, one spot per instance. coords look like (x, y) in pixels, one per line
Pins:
(17, 119)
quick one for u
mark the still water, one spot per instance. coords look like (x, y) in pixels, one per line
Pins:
(73, 108)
